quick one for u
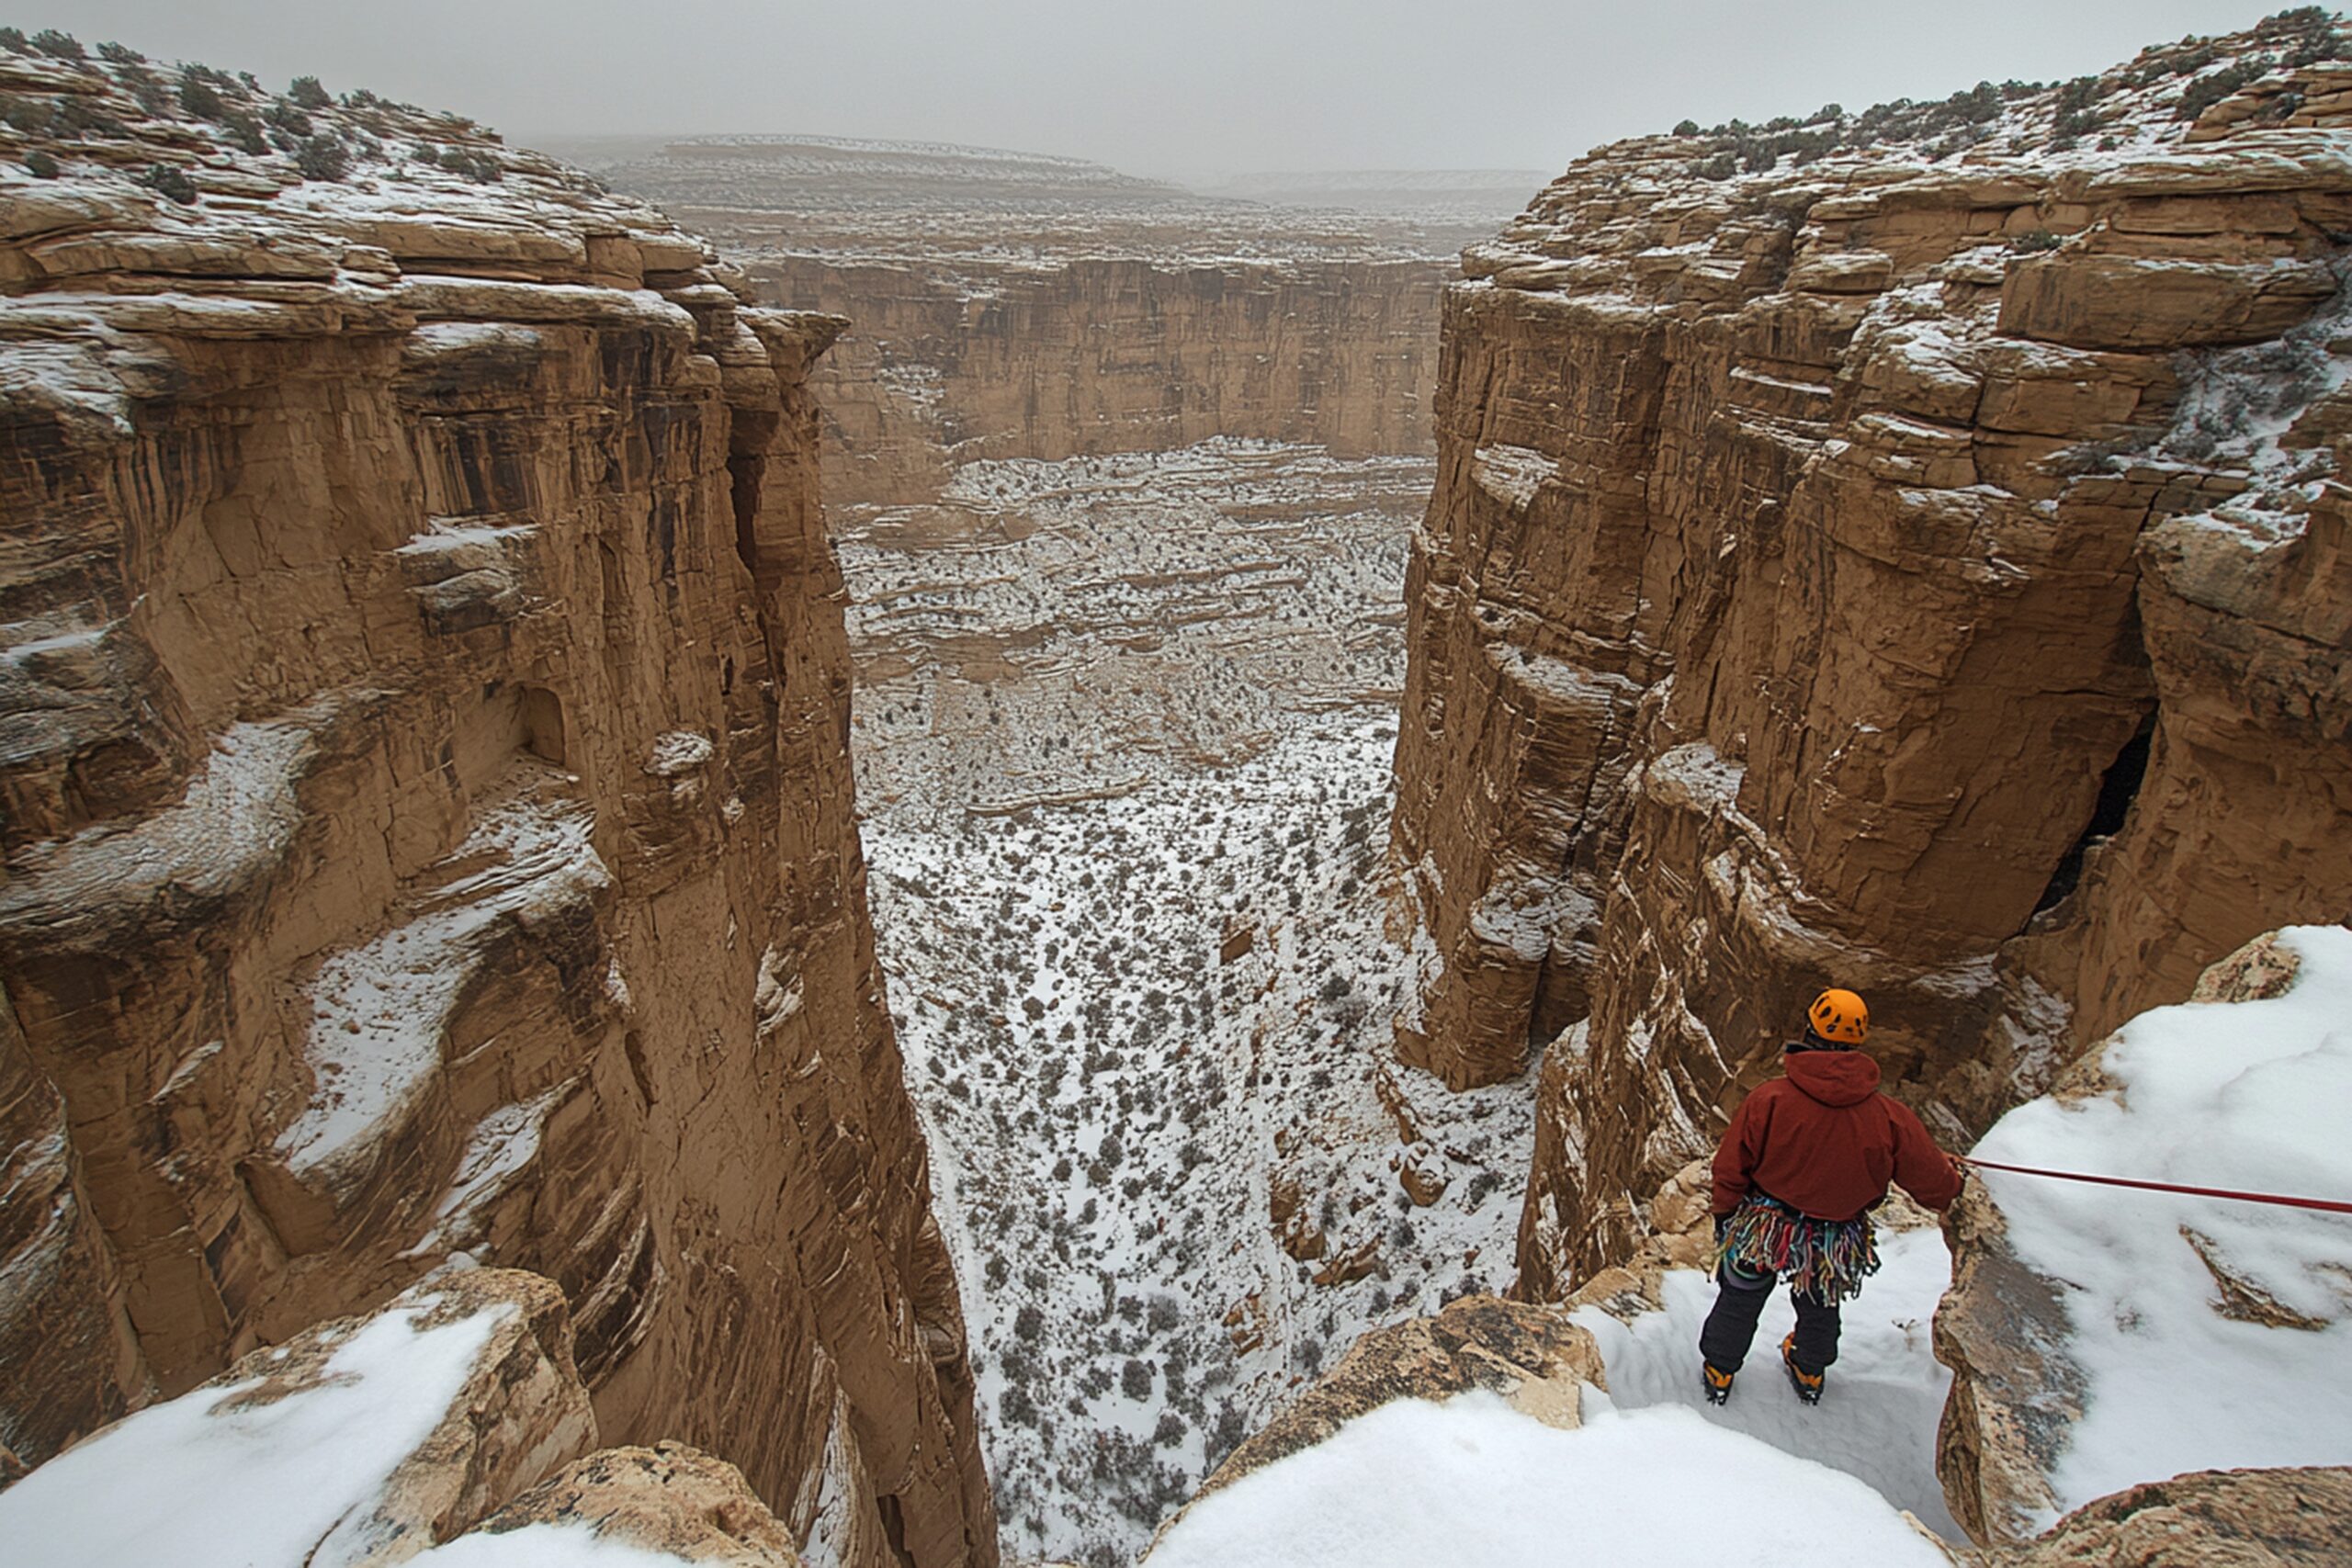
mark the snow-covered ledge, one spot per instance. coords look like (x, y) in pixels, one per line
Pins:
(446, 1428)
(2103, 1338)
(361, 1441)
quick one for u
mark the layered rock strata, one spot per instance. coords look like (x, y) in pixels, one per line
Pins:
(428, 824)
(1915, 567)
(1096, 355)
(1009, 305)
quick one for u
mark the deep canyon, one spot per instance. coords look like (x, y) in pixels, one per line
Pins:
(954, 875)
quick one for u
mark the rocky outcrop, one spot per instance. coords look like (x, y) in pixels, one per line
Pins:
(429, 826)
(368, 1441)
(1533, 1357)
(1915, 566)
(2234, 1518)
(2002, 1330)
(670, 1500)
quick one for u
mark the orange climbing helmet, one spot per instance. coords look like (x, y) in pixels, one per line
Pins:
(1840, 1016)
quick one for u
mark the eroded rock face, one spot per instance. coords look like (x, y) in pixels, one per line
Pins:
(1822, 560)
(1111, 353)
(427, 817)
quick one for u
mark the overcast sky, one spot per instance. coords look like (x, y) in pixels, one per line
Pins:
(1182, 88)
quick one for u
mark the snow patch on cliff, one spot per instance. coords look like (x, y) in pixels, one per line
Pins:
(1511, 474)
(504, 1145)
(378, 1010)
(215, 1480)
(236, 818)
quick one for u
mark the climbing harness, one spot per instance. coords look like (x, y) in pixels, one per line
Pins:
(2325, 1205)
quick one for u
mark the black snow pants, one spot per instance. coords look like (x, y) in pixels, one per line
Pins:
(1731, 1326)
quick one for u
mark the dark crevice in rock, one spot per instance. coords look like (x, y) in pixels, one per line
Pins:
(2117, 790)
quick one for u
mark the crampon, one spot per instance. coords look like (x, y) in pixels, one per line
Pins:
(1807, 1384)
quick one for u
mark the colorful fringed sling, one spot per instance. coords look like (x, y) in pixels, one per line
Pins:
(1827, 1259)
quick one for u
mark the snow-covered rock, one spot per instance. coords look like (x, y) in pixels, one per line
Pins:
(419, 1433)
(635, 1507)
(2103, 1337)
(360, 1443)
(1531, 1358)
(2238, 1519)
(1475, 1484)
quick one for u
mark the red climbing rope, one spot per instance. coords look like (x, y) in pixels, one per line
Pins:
(2326, 1204)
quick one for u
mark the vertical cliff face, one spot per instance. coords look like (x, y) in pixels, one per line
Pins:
(1097, 355)
(1916, 567)
(427, 816)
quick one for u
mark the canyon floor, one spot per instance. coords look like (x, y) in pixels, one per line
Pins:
(1124, 731)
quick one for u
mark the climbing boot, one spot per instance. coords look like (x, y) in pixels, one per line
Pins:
(1717, 1383)
(1807, 1384)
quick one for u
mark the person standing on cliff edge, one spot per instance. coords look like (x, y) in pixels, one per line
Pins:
(1804, 1161)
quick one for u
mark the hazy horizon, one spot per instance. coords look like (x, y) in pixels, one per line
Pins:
(1196, 91)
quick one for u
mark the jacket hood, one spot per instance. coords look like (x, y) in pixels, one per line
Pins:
(1833, 1077)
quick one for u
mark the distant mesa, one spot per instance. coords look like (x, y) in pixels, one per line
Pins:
(817, 171)
(1383, 190)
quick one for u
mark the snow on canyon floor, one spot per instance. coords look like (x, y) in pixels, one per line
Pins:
(1124, 731)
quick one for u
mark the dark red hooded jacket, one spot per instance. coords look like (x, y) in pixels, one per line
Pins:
(1824, 1140)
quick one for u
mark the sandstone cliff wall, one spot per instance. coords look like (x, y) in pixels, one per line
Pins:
(1090, 355)
(1920, 572)
(427, 816)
